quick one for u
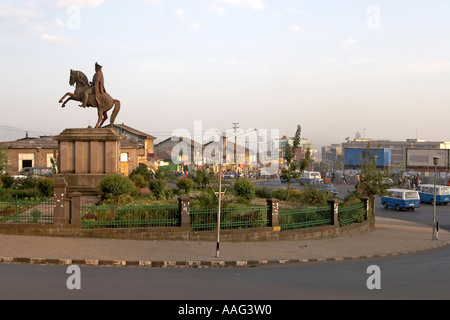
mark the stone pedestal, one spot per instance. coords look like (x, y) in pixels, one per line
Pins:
(86, 156)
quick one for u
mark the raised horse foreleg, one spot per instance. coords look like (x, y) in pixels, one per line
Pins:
(71, 97)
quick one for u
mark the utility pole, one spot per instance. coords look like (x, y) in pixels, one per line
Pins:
(221, 157)
(235, 127)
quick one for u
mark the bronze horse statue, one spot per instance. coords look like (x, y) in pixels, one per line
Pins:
(106, 101)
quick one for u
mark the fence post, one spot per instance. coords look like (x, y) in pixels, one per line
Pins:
(59, 187)
(334, 212)
(75, 210)
(272, 213)
(366, 208)
(183, 210)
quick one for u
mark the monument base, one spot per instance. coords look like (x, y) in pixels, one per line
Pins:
(86, 156)
(86, 184)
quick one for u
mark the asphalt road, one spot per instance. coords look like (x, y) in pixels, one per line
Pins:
(422, 276)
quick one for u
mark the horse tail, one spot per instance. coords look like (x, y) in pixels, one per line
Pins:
(115, 111)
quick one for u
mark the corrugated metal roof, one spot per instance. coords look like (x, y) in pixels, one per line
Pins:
(134, 131)
(47, 142)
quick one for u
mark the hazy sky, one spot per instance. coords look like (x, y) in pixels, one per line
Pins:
(335, 67)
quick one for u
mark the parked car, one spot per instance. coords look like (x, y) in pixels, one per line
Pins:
(327, 187)
(283, 180)
(228, 175)
(34, 172)
(310, 178)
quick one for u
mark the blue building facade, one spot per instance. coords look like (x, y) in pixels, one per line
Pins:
(354, 157)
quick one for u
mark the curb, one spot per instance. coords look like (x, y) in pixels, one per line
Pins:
(204, 264)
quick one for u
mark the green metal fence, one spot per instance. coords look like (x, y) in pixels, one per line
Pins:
(27, 211)
(230, 218)
(290, 219)
(167, 215)
(351, 214)
(129, 216)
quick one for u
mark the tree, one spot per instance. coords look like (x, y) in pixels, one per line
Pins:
(54, 161)
(290, 173)
(141, 170)
(371, 178)
(304, 163)
(3, 160)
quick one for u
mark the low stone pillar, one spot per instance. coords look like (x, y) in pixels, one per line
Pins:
(59, 189)
(334, 212)
(75, 210)
(183, 209)
(366, 207)
(272, 213)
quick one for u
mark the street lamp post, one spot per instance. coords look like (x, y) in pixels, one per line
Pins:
(218, 211)
(435, 227)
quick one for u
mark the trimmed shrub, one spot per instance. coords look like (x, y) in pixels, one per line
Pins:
(158, 187)
(244, 188)
(312, 196)
(263, 192)
(280, 194)
(7, 180)
(139, 180)
(45, 186)
(116, 185)
(185, 185)
(29, 183)
(5, 194)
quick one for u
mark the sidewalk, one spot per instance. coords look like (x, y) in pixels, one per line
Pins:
(391, 237)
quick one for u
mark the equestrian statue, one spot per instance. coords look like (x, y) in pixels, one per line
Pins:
(92, 95)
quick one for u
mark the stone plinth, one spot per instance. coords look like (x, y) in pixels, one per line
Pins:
(86, 156)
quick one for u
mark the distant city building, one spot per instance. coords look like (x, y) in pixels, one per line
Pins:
(355, 157)
(333, 156)
(398, 148)
(280, 146)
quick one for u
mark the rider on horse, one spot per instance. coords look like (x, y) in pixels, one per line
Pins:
(97, 86)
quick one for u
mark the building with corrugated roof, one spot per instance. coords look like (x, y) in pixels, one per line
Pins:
(30, 152)
(135, 147)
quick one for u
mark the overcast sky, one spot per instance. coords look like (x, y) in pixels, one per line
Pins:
(334, 67)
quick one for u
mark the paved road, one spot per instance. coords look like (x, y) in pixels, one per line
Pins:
(422, 276)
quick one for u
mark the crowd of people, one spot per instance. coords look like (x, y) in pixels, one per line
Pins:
(409, 182)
